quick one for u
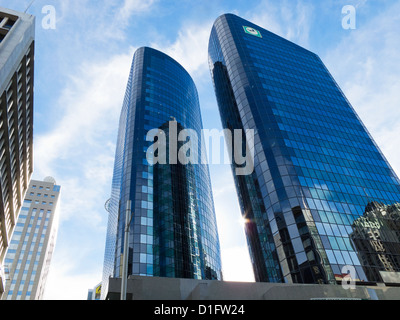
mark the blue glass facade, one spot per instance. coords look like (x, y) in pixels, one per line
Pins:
(173, 231)
(316, 165)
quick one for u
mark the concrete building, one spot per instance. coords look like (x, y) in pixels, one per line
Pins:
(95, 293)
(165, 289)
(32, 245)
(16, 119)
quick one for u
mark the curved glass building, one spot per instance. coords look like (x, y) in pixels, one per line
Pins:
(173, 232)
(316, 165)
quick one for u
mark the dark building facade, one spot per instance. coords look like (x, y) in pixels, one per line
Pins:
(376, 239)
(17, 44)
(316, 165)
(173, 231)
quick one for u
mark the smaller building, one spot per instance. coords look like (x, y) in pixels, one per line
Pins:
(376, 238)
(95, 293)
(31, 248)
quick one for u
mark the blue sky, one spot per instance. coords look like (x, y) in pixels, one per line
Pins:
(82, 69)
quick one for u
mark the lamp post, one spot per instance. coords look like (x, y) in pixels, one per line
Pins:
(128, 220)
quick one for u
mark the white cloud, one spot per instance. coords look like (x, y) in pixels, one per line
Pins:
(291, 20)
(131, 7)
(102, 21)
(114, 27)
(190, 48)
(90, 103)
(64, 283)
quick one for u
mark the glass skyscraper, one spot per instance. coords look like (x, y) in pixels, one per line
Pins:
(316, 165)
(173, 232)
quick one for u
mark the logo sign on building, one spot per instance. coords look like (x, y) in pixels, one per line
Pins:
(252, 31)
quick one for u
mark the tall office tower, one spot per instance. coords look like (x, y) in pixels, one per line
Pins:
(173, 231)
(16, 118)
(376, 237)
(316, 165)
(32, 244)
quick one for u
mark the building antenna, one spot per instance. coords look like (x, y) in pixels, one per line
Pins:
(369, 199)
(29, 6)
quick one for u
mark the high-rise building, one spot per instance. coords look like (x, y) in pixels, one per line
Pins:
(173, 231)
(316, 167)
(32, 244)
(16, 118)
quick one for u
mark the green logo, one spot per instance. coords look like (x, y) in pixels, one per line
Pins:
(252, 31)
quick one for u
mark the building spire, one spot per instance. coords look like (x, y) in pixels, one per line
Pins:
(29, 6)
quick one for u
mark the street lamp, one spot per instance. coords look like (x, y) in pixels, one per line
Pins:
(128, 220)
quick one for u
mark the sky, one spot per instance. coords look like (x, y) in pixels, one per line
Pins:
(82, 66)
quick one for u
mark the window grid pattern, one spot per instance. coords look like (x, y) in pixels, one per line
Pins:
(16, 154)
